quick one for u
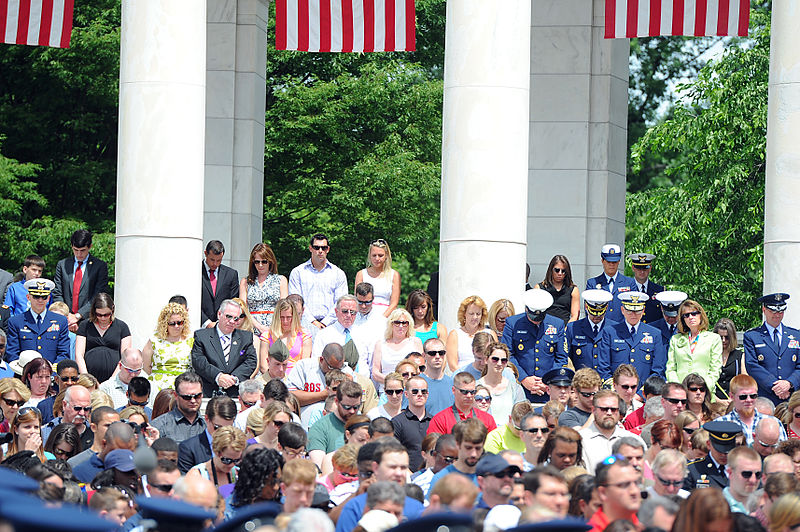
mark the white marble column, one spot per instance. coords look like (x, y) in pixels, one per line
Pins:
(160, 162)
(578, 137)
(235, 105)
(484, 153)
(782, 194)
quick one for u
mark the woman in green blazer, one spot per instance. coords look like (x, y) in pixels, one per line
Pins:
(694, 349)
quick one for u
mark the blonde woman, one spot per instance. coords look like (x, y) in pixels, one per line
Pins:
(13, 395)
(276, 415)
(500, 310)
(472, 318)
(228, 444)
(286, 326)
(393, 385)
(384, 280)
(168, 353)
(248, 324)
(784, 514)
(398, 341)
(26, 427)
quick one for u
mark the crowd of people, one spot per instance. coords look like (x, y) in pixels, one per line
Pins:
(296, 404)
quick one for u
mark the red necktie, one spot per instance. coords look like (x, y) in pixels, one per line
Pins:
(76, 287)
(213, 279)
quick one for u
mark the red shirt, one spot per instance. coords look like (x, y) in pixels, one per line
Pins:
(600, 521)
(634, 419)
(444, 421)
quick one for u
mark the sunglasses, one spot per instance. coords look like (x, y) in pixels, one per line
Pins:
(483, 398)
(448, 459)
(692, 313)
(278, 424)
(161, 487)
(319, 248)
(260, 261)
(11, 402)
(190, 396)
(380, 243)
(228, 461)
(103, 315)
(748, 474)
(508, 473)
(422, 368)
(536, 430)
(22, 411)
(695, 389)
(588, 394)
(689, 431)
(350, 408)
(675, 400)
(131, 370)
(39, 297)
(498, 360)
(436, 353)
(628, 386)
(393, 392)
(467, 392)
(407, 374)
(234, 318)
(351, 312)
(746, 396)
(560, 270)
(77, 408)
(248, 404)
(69, 379)
(676, 483)
(609, 409)
(400, 323)
(137, 428)
(134, 402)
(365, 303)
(175, 324)
(60, 452)
(419, 391)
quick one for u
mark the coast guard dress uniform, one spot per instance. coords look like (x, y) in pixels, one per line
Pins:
(641, 348)
(583, 335)
(536, 340)
(773, 353)
(643, 261)
(614, 285)
(670, 301)
(48, 333)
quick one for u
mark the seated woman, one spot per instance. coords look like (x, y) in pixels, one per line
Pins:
(505, 393)
(345, 467)
(168, 353)
(694, 349)
(228, 444)
(566, 296)
(472, 316)
(276, 415)
(286, 327)
(136, 417)
(101, 339)
(64, 442)
(248, 324)
(37, 375)
(699, 398)
(397, 343)
(13, 395)
(26, 427)
(384, 280)
(393, 388)
(420, 305)
(263, 286)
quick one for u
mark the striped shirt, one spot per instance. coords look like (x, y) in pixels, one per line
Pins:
(320, 289)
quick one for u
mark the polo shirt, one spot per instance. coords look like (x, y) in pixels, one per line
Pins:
(574, 417)
(327, 434)
(501, 439)
(411, 430)
(444, 421)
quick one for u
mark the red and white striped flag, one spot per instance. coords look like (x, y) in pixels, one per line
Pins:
(345, 25)
(36, 22)
(698, 18)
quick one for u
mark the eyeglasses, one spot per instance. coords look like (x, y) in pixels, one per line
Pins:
(559, 270)
(448, 459)
(350, 408)
(248, 404)
(393, 392)
(748, 474)
(69, 378)
(190, 396)
(609, 409)
(536, 430)
(77, 408)
(228, 461)
(319, 248)
(256, 261)
(175, 324)
(746, 396)
(588, 394)
(350, 312)
(131, 370)
(483, 398)
(695, 389)
(419, 391)
(400, 323)
(768, 445)
(160, 487)
(103, 315)
(675, 400)
(467, 392)
(234, 318)
(441, 353)
(498, 360)
(365, 303)
(676, 483)
(11, 402)
(692, 313)
(296, 453)
(278, 424)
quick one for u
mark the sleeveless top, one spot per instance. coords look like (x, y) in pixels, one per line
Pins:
(169, 360)
(261, 299)
(381, 286)
(391, 356)
(562, 302)
(295, 350)
(433, 333)
(465, 355)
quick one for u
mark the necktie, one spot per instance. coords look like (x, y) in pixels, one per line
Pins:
(39, 321)
(671, 330)
(777, 339)
(641, 288)
(213, 278)
(76, 286)
(595, 330)
(633, 330)
(347, 336)
(226, 346)
(610, 284)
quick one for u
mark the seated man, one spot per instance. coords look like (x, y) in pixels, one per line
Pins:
(586, 384)
(297, 485)
(67, 373)
(470, 437)
(223, 356)
(546, 485)
(130, 365)
(327, 434)
(183, 421)
(463, 407)
(508, 436)
(138, 394)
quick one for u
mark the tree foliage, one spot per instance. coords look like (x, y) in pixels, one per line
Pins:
(707, 230)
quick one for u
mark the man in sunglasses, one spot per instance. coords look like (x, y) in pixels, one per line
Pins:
(119, 435)
(67, 375)
(743, 393)
(343, 332)
(463, 407)
(583, 336)
(370, 324)
(669, 471)
(509, 435)
(411, 424)
(772, 351)
(744, 472)
(327, 434)
(77, 407)
(219, 282)
(767, 436)
(710, 471)
(444, 453)
(130, 365)
(600, 435)
(533, 432)
(495, 480)
(102, 417)
(440, 385)
(320, 282)
(38, 328)
(183, 421)
(670, 302)
(674, 400)
(224, 356)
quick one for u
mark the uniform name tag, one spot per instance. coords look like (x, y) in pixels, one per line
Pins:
(25, 329)
(760, 345)
(550, 330)
(580, 338)
(618, 341)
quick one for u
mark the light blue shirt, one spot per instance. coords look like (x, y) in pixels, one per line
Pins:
(749, 431)
(320, 289)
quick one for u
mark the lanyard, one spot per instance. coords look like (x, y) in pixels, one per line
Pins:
(456, 415)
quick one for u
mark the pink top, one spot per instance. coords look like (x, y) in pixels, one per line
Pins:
(295, 349)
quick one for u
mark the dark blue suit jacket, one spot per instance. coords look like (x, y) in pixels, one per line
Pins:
(622, 284)
(666, 336)
(652, 310)
(583, 345)
(51, 339)
(535, 351)
(766, 365)
(193, 451)
(644, 351)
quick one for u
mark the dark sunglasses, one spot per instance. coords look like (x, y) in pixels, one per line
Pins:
(175, 324)
(137, 428)
(69, 379)
(278, 424)
(748, 474)
(695, 389)
(248, 404)
(746, 396)
(560, 270)
(319, 248)
(11, 402)
(256, 261)
(407, 374)
(161, 487)
(103, 315)
(666, 482)
(39, 297)
(393, 392)
(483, 398)
(418, 391)
(400, 323)
(441, 353)
(467, 392)
(689, 431)
(498, 360)
(692, 313)
(228, 461)
(508, 473)
(234, 318)
(422, 368)
(350, 408)
(628, 386)
(448, 459)
(77, 408)
(536, 430)
(365, 303)
(190, 396)
(675, 400)
(588, 394)
(609, 409)
(134, 402)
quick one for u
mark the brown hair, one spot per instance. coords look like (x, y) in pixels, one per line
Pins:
(690, 305)
(667, 435)
(702, 507)
(565, 434)
(586, 378)
(548, 277)
(300, 471)
(470, 430)
(415, 299)
(264, 252)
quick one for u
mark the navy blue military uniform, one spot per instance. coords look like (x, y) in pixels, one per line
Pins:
(51, 338)
(704, 474)
(583, 344)
(535, 350)
(644, 351)
(622, 284)
(666, 334)
(652, 311)
(766, 364)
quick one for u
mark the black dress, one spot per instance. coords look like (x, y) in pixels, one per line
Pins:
(562, 302)
(102, 351)
(731, 368)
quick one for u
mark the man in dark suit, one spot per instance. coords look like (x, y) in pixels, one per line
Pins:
(583, 336)
(219, 283)
(6, 278)
(37, 328)
(224, 356)
(220, 412)
(80, 278)
(642, 265)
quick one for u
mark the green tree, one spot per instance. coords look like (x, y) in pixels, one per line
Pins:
(708, 229)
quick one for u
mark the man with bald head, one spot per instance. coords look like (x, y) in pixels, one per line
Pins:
(767, 436)
(196, 490)
(777, 463)
(130, 365)
(77, 407)
(119, 435)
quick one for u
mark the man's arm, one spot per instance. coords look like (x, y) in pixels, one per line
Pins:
(200, 362)
(12, 341)
(58, 291)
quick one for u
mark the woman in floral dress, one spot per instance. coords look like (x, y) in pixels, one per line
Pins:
(168, 353)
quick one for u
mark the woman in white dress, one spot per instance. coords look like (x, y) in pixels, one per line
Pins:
(263, 287)
(397, 343)
(472, 316)
(384, 280)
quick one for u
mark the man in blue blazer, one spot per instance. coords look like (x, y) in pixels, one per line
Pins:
(583, 336)
(611, 280)
(37, 328)
(537, 343)
(772, 351)
(670, 301)
(641, 264)
(632, 342)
